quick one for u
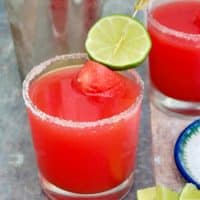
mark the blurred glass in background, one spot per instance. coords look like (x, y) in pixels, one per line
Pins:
(44, 28)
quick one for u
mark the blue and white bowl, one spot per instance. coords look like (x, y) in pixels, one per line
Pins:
(187, 153)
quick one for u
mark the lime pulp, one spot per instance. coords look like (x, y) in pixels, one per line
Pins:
(190, 192)
(118, 41)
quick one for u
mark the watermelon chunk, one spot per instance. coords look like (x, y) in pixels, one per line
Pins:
(98, 80)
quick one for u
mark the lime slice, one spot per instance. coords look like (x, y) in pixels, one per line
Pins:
(118, 41)
(147, 194)
(190, 192)
(163, 193)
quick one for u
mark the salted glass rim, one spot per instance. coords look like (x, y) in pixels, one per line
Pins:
(167, 30)
(37, 70)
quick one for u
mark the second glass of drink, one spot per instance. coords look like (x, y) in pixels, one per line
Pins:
(174, 61)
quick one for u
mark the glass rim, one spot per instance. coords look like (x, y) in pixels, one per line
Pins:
(167, 30)
(37, 70)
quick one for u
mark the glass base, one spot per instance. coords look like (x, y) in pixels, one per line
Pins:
(173, 106)
(117, 193)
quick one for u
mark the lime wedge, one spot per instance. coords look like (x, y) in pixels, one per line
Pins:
(163, 193)
(147, 194)
(118, 41)
(190, 192)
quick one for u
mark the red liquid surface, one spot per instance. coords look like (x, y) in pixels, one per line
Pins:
(175, 61)
(83, 160)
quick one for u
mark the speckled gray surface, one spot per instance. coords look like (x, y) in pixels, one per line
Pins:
(18, 176)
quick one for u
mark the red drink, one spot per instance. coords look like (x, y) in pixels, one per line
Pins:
(84, 143)
(175, 56)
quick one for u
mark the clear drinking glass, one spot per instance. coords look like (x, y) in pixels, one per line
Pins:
(83, 160)
(174, 65)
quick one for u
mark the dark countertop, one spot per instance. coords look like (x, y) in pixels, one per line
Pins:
(18, 176)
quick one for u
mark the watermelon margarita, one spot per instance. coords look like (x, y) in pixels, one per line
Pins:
(174, 59)
(84, 123)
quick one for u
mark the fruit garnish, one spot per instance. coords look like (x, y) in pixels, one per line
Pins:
(118, 41)
(147, 194)
(157, 193)
(163, 193)
(98, 80)
(190, 192)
